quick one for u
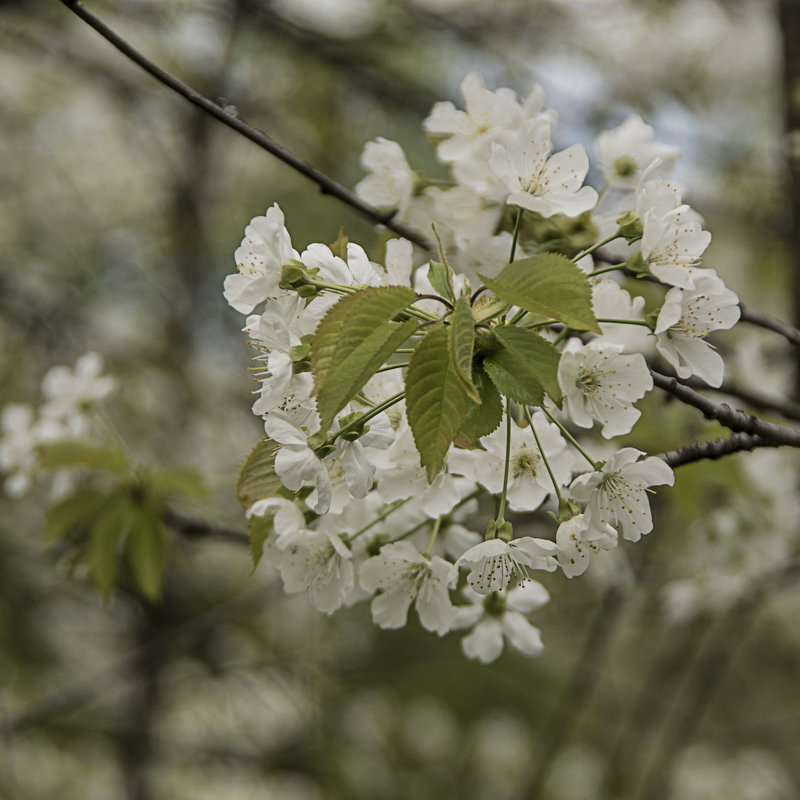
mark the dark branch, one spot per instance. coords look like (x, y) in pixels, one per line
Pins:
(764, 321)
(717, 448)
(737, 421)
(326, 184)
(753, 398)
(197, 529)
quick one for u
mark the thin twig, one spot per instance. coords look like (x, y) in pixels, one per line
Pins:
(327, 184)
(737, 421)
(775, 325)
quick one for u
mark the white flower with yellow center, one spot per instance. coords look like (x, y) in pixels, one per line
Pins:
(686, 317)
(266, 247)
(601, 383)
(495, 562)
(528, 480)
(541, 182)
(501, 616)
(404, 575)
(617, 495)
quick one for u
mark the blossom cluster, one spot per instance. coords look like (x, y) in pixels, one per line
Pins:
(359, 514)
(71, 396)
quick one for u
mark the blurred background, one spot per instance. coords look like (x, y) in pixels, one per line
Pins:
(669, 672)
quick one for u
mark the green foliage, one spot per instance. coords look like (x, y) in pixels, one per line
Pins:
(178, 481)
(523, 366)
(257, 478)
(482, 419)
(110, 528)
(71, 453)
(441, 278)
(461, 344)
(354, 338)
(147, 549)
(259, 529)
(436, 400)
(550, 284)
(533, 357)
(75, 512)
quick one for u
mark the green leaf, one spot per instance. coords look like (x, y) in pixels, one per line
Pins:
(349, 375)
(461, 344)
(491, 307)
(483, 419)
(436, 400)
(259, 529)
(257, 478)
(351, 338)
(102, 553)
(533, 356)
(548, 283)
(500, 367)
(66, 453)
(339, 247)
(441, 278)
(181, 481)
(77, 511)
(147, 550)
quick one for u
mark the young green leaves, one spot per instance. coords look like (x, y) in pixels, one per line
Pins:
(353, 340)
(436, 398)
(548, 284)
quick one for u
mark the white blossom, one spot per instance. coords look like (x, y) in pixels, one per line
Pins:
(625, 151)
(528, 480)
(500, 616)
(319, 562)
(495, 562)
(686, 317)
(390, 183)
(468, 133)
(617, 495)
(601, 383)
(404, 575)
(71, 393)
(541, 182)
(266, 247)
(673, 245)
(575, 551)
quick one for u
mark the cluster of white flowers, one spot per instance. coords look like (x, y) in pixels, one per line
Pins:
(361, 520)
(71, 395)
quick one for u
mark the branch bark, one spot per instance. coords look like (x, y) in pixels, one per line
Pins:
(738, 421)
(326, 184)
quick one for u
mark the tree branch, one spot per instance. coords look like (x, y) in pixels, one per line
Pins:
(762, 402)
(738, 421)
(327, 185)
(765, 321)
(716, 448)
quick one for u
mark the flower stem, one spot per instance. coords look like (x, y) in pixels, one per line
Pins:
(515, 236)
(367, 415)
(502, 509)
(463, 501)
(390, 509)
(436, 525)
(626, 322)
(571, 439)
(544, 457)
(391, 366)
(598, 245)
(603, 270)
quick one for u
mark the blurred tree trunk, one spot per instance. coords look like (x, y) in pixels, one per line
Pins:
(789, 19)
